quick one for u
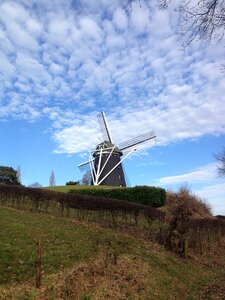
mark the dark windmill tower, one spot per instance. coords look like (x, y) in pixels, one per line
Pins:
(105, 162)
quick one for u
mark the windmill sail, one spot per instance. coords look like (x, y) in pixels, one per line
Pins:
(106, 160)
(104, 128)
(140, 139)
(84, 166)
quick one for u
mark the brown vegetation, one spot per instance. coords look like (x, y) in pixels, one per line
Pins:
(191, 224)
(185, 199)
(129, 277)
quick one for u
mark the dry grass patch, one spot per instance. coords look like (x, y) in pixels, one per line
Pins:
(100, 279)
(97, 279)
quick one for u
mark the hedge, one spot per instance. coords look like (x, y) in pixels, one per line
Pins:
(148, 195)
(40, 199)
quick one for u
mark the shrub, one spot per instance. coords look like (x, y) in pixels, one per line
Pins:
(72, 183)
(147, 195)
(189, 217)
(8, 176)
(193, 203)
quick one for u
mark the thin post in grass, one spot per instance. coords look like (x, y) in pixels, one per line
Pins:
(39, 264)
(185, 247)
(209, 239)
(114, 219)
(200, 242)
(115, 254)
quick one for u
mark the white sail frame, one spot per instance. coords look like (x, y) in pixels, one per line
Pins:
(96, 171)
(127, 147)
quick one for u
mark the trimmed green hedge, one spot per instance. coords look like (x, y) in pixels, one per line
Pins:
(148, 195)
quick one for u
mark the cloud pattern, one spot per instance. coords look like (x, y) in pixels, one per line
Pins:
(67, 61)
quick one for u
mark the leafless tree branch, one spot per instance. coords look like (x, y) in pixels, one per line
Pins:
(204, 20)
(220, 157)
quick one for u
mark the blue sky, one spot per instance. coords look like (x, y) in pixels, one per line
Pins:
(61, 64)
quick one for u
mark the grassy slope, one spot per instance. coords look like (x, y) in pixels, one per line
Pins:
(143, 270)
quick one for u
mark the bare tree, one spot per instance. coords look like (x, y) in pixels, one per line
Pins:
(221, 159)
(203, 20)
(87, 179)
(52, 179)
(18, 174)
(35, 185)
(159, 3)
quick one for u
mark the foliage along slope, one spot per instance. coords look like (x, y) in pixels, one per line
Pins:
(83, 261)
(67, 188)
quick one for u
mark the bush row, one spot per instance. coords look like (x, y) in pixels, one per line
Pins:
(182, 234)
(40, 199)
(147, 195)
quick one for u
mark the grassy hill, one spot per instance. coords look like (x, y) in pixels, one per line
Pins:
(85, 261)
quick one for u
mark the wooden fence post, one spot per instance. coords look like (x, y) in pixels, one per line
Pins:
(200, 241)
(185, 247)
(39, 265)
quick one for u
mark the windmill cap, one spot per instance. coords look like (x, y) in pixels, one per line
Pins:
(107, 146)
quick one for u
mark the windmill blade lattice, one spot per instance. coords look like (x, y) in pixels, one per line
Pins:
(104, 128)
(140, 139)
(84, 166)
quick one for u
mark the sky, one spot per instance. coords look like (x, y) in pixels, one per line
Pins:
(61, 64)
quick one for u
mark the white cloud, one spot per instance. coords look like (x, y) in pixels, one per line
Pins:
(34, 27)
(7, 68)
(215, 195)
(120, 19)
(160, 17)
(200, 174)
(79, 142)
(13, 11)
(115, 42)
(139, 18)
(21, 38)
(56, 69)
(213, 191)
(13, 16)
(90, 29)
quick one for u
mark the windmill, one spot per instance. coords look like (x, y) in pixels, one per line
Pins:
(105, 161)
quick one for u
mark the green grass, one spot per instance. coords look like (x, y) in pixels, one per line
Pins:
(66, 243)
(66, 188)
(63, 242)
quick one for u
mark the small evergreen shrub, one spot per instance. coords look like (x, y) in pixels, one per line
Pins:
(72, 183)
(148, 195)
